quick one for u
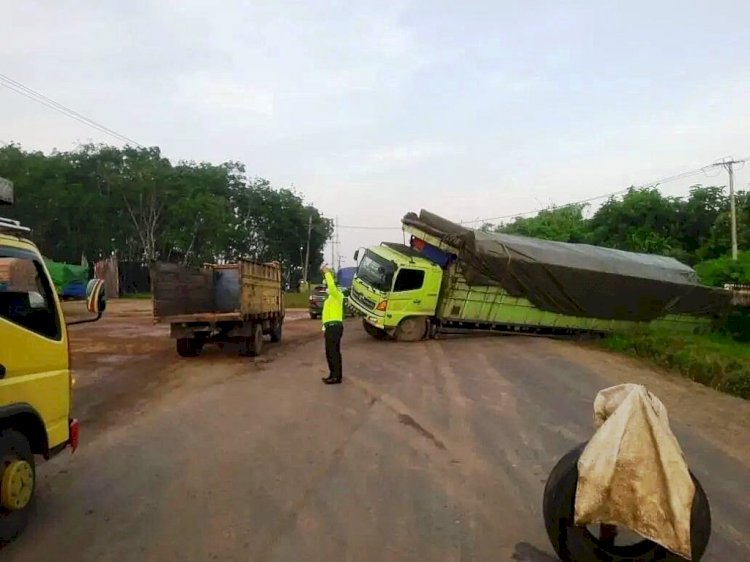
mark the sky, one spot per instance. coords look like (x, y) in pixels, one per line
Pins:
(373, 109)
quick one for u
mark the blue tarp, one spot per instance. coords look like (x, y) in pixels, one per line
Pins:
(345, 277)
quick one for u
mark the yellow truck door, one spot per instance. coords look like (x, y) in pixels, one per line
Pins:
(34, 365)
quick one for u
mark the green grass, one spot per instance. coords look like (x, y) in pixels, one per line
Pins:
(291, 300)
(296, 300)
(139, 296)
(714, 360)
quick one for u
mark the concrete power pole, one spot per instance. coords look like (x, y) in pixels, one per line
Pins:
(727, 164)
(307, 253)
(335, 242)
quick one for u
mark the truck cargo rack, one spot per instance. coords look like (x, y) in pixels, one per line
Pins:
(12, 226)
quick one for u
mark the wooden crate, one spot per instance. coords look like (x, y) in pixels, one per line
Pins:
(180, 290)
(18, 275)
(261, 290)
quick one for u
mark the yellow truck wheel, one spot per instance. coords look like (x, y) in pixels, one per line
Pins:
(17, 483)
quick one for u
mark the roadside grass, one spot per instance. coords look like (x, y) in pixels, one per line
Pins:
(291, 300)
(295, 300)
(137, 296)
(715, 360)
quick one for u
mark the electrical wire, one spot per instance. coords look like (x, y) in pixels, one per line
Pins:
(30, 93)
(655, 183)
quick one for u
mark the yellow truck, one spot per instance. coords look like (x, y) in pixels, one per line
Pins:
(236, 303)
(35, 377)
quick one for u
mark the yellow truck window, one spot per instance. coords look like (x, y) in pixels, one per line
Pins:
(26, 297)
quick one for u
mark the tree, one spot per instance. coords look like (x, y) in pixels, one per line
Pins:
(642, 221)
(101, 199)
(564, 224)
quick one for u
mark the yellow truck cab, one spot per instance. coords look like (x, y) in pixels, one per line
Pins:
(35, 377)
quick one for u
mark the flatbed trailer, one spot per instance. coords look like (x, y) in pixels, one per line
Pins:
(236, 303)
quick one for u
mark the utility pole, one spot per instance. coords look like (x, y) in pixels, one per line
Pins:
(307, 254)
(727, 164)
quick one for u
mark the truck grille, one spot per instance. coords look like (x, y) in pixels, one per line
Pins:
(363, 301)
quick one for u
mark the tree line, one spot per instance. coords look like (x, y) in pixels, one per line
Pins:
(98, 200)
(693, 229)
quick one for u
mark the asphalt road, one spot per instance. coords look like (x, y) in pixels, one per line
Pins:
(430, 451)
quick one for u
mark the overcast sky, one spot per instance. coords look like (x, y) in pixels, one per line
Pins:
(372, 109)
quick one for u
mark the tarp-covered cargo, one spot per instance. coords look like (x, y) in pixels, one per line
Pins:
(69, 280)
(576, 279)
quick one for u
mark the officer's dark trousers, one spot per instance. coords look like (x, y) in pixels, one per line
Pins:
(334, 332)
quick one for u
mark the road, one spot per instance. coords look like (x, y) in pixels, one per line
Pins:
(430, 451)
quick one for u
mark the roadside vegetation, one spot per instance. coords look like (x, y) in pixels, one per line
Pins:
(692, 229)
(97, 200)
(715, 360)
(296, 300)
(291, 300)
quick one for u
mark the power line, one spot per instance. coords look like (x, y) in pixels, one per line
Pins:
(654, 183)
(30, 93)
(597, 197)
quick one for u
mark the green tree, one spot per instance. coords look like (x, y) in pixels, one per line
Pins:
(564, 224)
(642, 221)
(101, 199)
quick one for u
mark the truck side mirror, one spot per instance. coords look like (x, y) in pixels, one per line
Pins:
(96, 297)
(356, 255)
(96, 301)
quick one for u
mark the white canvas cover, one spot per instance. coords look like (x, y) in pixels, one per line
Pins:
(632, 473)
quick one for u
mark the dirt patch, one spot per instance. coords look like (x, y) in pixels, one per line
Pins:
(720, 418)
(124, 363)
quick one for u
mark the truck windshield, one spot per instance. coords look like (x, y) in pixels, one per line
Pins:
(376, 271)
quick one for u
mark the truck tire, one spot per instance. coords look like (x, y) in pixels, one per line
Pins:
(17, 484)
(254, 344)
(575, 544)
(277, 330)
(411, 329)
(374, 332)
(189, 347)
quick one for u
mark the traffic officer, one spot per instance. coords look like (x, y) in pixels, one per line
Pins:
(333, 326)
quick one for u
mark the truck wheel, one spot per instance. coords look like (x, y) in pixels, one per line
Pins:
(277, 330)
(572, 543)
(189, 347)
(17, 483)
(411, 329)
(374, 332)
(254, 344)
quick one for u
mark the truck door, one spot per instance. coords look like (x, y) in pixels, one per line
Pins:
(33, 345)
(409, 296)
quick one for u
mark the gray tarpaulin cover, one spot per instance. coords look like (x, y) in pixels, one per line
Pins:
(577, 279)
(632, 473)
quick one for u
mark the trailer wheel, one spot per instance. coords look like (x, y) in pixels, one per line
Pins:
(374, 332)
(189, 347)
(411, 329)
(573, 544)
(17, 484)
(254, 344)
(277, 330)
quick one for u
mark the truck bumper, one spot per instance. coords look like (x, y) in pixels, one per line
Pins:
(376, 321)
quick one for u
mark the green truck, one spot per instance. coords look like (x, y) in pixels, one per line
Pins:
(450, 279)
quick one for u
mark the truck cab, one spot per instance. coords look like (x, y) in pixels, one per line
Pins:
(396, 292)
(35, 377)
